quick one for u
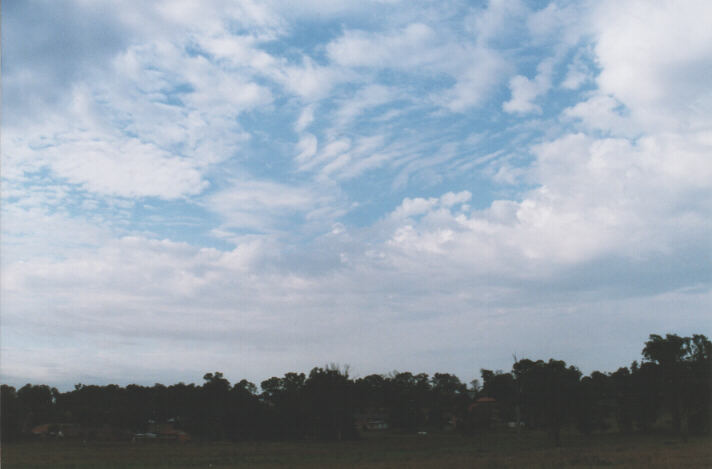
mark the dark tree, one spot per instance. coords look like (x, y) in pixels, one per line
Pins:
(407, 398)
(36, 403)
(503, 388)
(624, 398)
(684, 364)
(548, 392)
(10, 415)
(370, 392)
(215, 399)
(329, 398)
(449, 399)
(285, 396)
(699, 397)
(646, 388)
(673, 382)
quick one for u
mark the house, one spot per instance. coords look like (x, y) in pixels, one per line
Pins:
(482, 414)
(371, 420)
(486, 401)
(43, 430)
(56, 430)
(162, 432)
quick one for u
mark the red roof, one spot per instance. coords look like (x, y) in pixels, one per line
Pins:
(486, 399)
(41, 429)
(481, 401)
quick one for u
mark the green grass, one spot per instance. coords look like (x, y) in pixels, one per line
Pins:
(495, 450)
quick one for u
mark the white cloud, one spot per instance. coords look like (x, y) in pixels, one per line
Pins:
(496, 20)
(345, 158)
(368, 153)
(602, 113)
(482, 70)
(525, 91)
(309, 80)
(305, 119)
(122, 135)
(578, 74)
(409, 47)
(419, 206)
(271, 207)
(561, 25)
(613, 222)
(662, 78)
(596, 198)
(331, 151)
(366, 98)
(454, 198)
(307, 147)
(421, 49)
(256, 17)
(32, 230)
(107, 164)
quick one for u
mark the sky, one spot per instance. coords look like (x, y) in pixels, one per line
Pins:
(258, 187)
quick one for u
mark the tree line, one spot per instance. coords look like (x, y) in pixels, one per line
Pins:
(670, 389)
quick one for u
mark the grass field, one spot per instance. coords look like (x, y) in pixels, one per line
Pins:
(374, 451)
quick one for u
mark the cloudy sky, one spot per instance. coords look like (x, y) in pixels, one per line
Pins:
(259, 187)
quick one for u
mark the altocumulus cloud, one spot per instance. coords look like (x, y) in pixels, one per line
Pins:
(258, 188)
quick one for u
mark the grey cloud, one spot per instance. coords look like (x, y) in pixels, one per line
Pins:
(47, 45)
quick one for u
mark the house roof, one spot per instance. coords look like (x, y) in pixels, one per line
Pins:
(40, 429)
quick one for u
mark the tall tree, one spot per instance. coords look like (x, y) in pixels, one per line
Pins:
(10, 415)
(548, 393)
(329, 396)
(685, 376)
